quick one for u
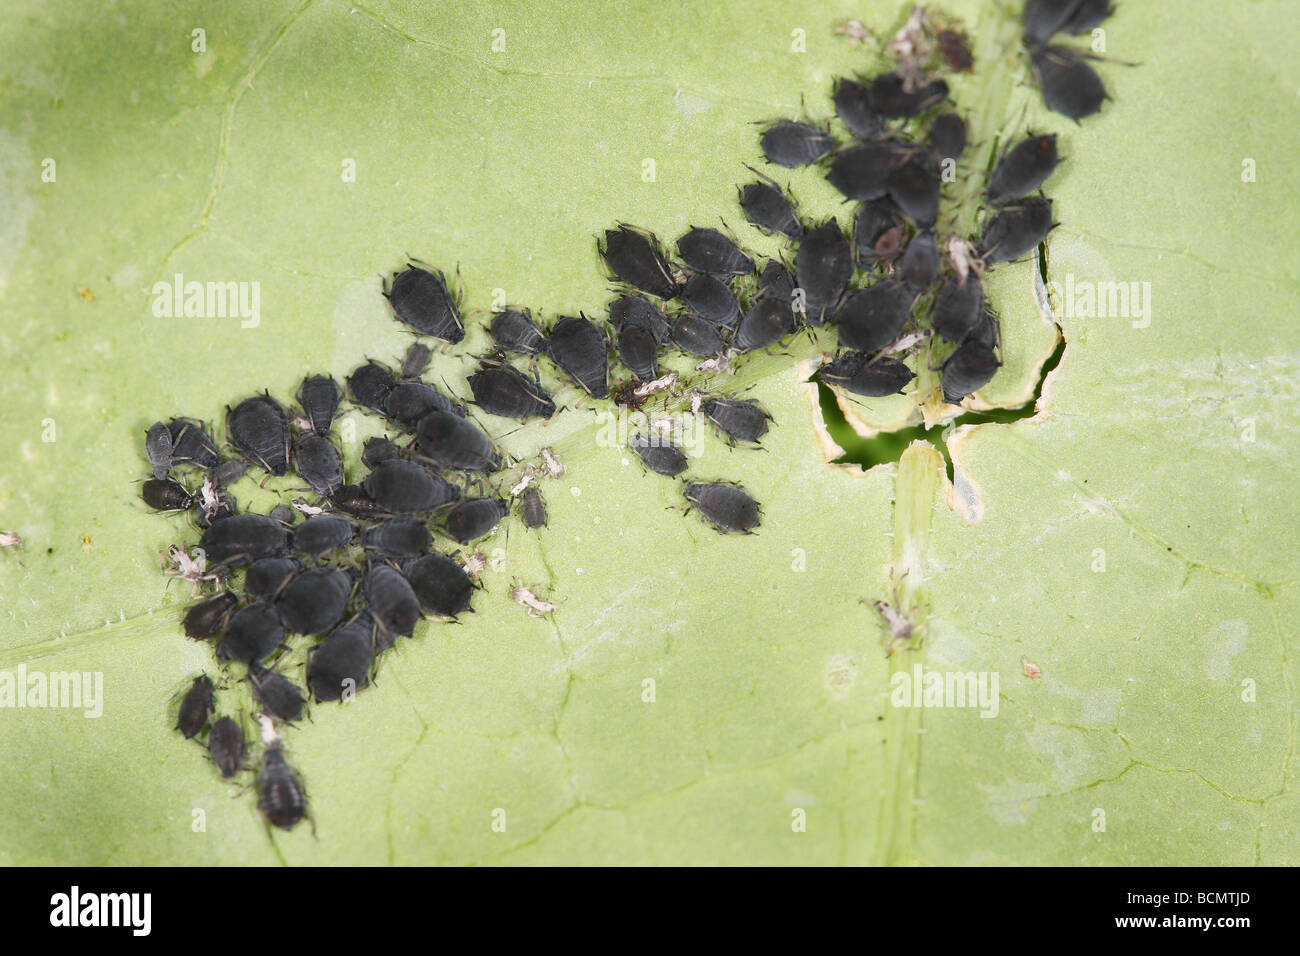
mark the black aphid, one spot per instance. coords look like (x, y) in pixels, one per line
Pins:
(416, 360)
(353, 500)
(404, 488)
(776, 282)
(283, 514)
(915, 190)
(473, 518)
(376, 450)
(242, 539)
(635, 258)
(451, 442)
(533, 508)
(873, 317)
(515, 331)
(420, 298)
(987, 331)
(341, 663)
(639, 351)
(856, 372)
(727, 507)
(578, 347)
(228, 472)
(1022, 169)
(824, 266)
(1016, 230)
(321, 534)
(280, 793)
(319, 397)
(264, 579)
(391, 599)
(632, 310)
(696, 336)
(1045, 18)
(166, 494)
(207, 619)
(191, 444)
(370, 384)
(226, 745)
(891, 98)
(712, 299)
(254, 633)
(878, 232)
(795, 144)
(504, 390)
(862, 172)
(408, 402)
(853, 104)
(196, 705)
(920, 263)
(318, 463)
(947, 137)
(441, 585)
(397, 539)
(968, 370)
(954, 46)
(280, 697)
(660, 455)
(738, 419)
(259, 428)
(711, 252)
(158, 446)
(766, 323)
(768, 207)
(957, 308)
(1070, 86)
(314, 601)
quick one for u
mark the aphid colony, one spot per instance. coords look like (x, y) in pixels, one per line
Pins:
(358, 569)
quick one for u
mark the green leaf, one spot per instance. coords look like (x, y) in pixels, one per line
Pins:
(1159, 451)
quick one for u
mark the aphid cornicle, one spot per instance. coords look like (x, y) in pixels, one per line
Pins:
(259, 428)
(397, 539)
(341, 663)
(420, 298)
(314, 601)
(578, 347)
(391, 599)
(198, 703)
(795, 144)
(158, 446)
(515, 331)
(191, 444)
(319, 397)
(891, 99)
(768, 207)
(370, 384)
(226, 745)
(440, 584)
(872, 317)
(853, 105)
(859, 373)
(265, 578)
(1022, 169)
(318, 463)
(729, 508)
(450, 442)
(658, 454)
(207, 619)
(635, 258)
(280, 793)
(279, 696)
(824, 266)
(696, 336)
(320, 534)
(710, 252)
(968, 370)
(166, 494)
(252, 634)
(737, 419)
(1016, 230)
(402, 487)
(242, 539)
(1069, 85)
(505, 391)
(472, 518)
(408, 402)
(712, 299)
(533, 508)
